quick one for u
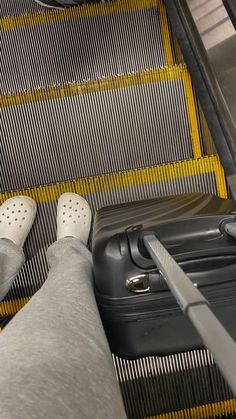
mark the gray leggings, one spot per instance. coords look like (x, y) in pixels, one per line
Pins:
(54, 357)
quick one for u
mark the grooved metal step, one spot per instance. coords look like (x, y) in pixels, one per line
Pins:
(199, 175)
(16, 8)
(55, 47)
(87, 129)
(180, 386)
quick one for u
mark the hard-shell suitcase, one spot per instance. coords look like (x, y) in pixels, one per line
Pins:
(140, 314)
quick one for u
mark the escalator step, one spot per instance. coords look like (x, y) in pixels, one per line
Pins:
(199, 175)
(91, 128)
(179, 386)
(15, 8)
(55, 47)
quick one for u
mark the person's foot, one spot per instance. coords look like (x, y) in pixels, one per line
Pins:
(16, 219)
(74, 217)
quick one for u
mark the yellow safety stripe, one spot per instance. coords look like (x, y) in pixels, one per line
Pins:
(80, 12)
(129, 178)
(12, 306)
(166, 34)
(92, 10)
(207, 411)
(192, 115)
(112, 83)
(95, 86)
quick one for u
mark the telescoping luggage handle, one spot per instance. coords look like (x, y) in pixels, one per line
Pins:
(196, 307)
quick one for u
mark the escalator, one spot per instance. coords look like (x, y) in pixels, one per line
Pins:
(98, 100)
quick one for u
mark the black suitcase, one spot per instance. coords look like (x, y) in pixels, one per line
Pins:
(140, 315)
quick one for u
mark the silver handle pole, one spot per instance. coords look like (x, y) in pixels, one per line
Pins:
(196, 307)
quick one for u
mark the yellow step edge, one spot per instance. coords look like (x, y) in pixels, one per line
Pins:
(178, 72)
(197, 152)
(123, 81)
(207, 411)
(129, 178)
(8, 307)
(72, 13)
(165, 32)
(91, 10)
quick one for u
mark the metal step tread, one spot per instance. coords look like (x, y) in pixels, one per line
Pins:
(179, 386)
(62, 46)
(13, 8)
(197, 175)
(86, 129)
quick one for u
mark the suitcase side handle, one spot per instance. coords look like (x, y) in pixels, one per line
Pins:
(196, 307)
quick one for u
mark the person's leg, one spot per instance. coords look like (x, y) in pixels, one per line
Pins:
(11, 261)
(16, 218)
(54, 357)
